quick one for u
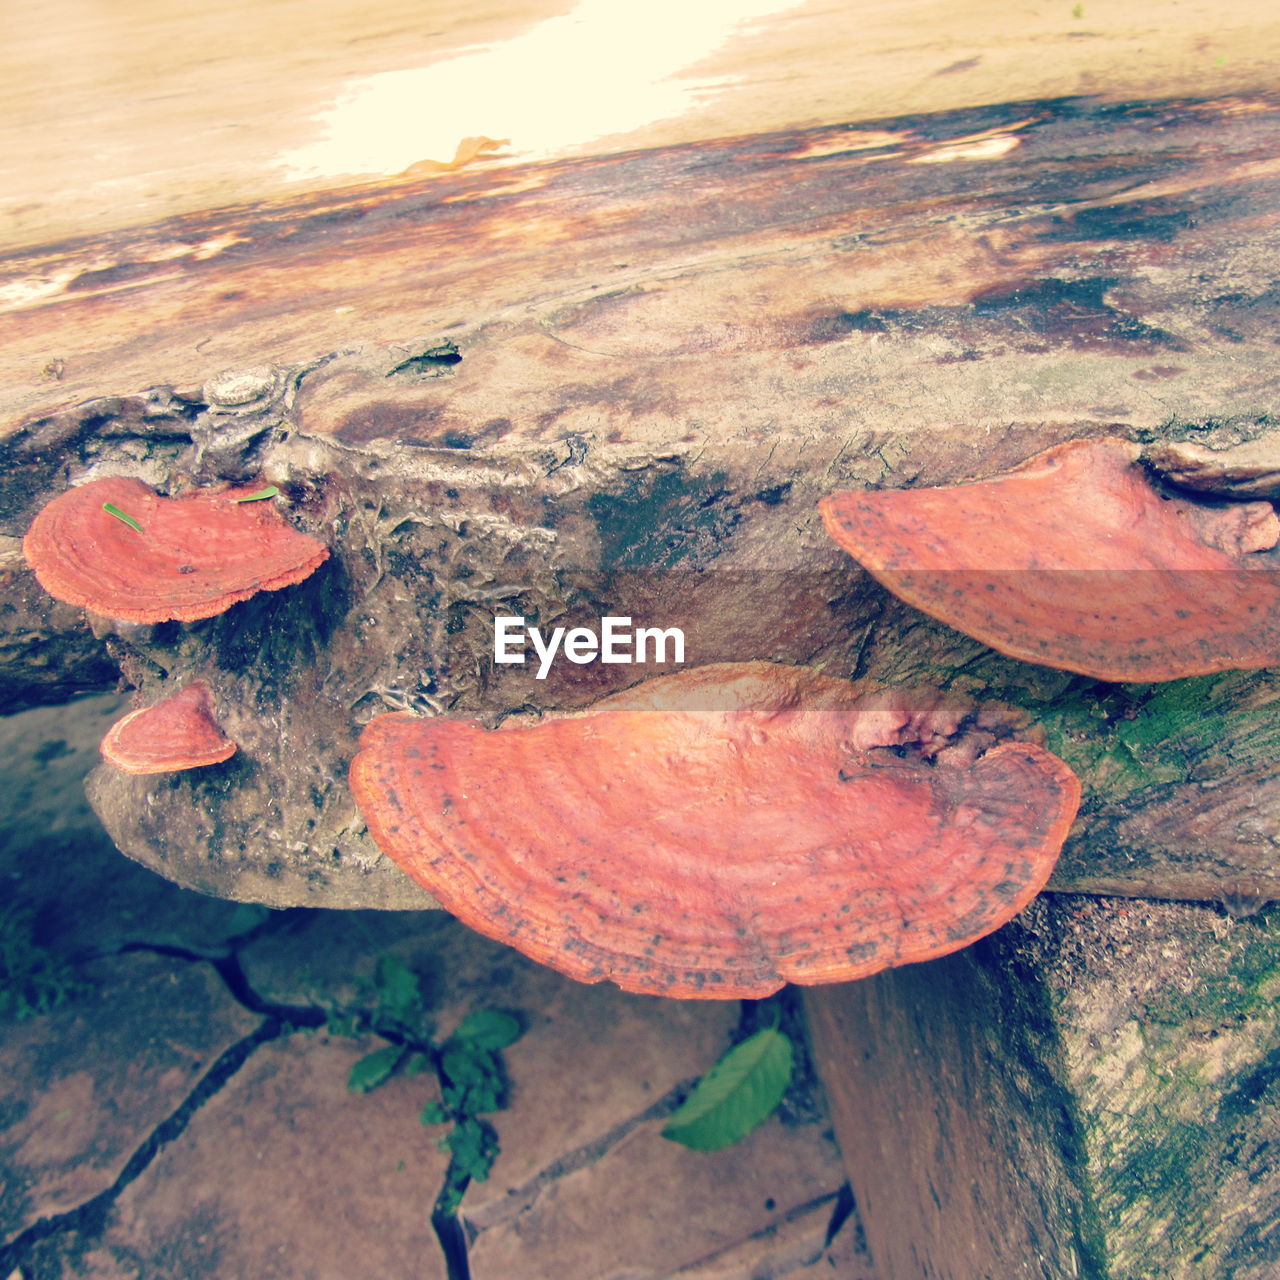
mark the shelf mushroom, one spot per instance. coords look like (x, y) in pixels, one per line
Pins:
(155, 559)
(178, 733)
(1076, 560)
(721, 831)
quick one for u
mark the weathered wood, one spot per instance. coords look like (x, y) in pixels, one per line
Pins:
(47, 654)
(1092, 1092)
(642, 373)
(953, 1121)
(125, 114)
(1171, 1048)
(925, 228)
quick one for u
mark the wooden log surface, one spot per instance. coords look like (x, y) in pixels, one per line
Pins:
(653, 365)
(959, 213)
(123, 115)
(1092, 1092)
(1135, 207)
(955, 1128)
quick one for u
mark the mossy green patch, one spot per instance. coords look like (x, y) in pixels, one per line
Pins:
(1175, 1043)
(1123, 738)
(1242, 981)
(663, 520)
(1109, 738)
(33, 980)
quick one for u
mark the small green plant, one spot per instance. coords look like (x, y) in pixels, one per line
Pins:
(32, 979)
(740, 1092)
(468, 1065)
(472, 1084)
(269, 492)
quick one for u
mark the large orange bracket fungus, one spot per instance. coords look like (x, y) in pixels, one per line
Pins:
(721, 831)
(155, 559)
(1076, 560)
(178, 733)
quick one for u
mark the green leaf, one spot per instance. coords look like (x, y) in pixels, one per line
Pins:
(473, 1145)
(473, 1099)
(434, 1113)
(739, 1092)
(112, 510)
(269, 492)
(489, 1029)
(399, 994)
(471, 1078)
(465, 1063)
(374, 1069)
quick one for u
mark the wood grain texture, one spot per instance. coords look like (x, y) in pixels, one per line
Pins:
(1091, 1092)
(121, 115)
(648, 369)
(1084, 229)
(941, 1082)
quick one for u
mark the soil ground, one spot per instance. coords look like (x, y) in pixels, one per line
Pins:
(163, 1120)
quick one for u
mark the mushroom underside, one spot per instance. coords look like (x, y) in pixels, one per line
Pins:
(1076, 560)
(722, 831)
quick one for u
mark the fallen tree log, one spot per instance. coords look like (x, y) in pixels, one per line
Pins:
(634, 379)
(623, 384)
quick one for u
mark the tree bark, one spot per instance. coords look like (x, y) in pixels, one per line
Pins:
(1092, 1092)
(633, 379)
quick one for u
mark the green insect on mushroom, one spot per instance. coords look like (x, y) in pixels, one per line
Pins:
(112, 510)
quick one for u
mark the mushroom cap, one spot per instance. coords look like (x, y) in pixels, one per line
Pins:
(1075, 560)
(718, 832)
(197, 554)
(178, 733)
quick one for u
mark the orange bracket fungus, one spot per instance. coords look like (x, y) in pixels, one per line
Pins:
(178, 733)
(718, 832)
(1076, 560)
(116, 548)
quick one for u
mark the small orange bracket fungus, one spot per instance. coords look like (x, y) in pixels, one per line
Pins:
(719, 832)
(178, 733)
(1076, 560)
(116, 548)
